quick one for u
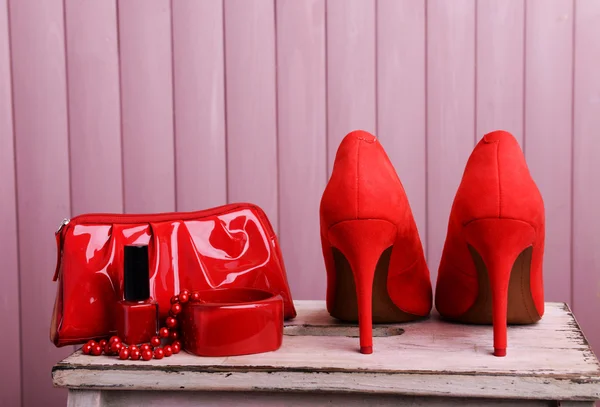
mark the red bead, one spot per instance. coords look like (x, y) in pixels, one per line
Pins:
(171, 322)
(195, 296)
(159, 353)
(184, 296)
(86, 349)
(135, 354)
(114, 339)
(163, 332)
(174, 299)
(155, 341)
(107, 349)
(133, 347)
(102, 343)
(96, 350)
(116, 347)
(124, 354)
(92, 343)
(168, 350)
(175, 309)
(145, 346)
(176, 347)
(147, 354)
(174, 335)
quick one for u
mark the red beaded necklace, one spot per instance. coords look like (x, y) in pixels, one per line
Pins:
(115, 347)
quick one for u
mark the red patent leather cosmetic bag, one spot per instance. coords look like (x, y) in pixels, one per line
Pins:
(229, 246)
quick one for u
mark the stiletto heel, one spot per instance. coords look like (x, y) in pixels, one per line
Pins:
(499, 242)
(376, 270)
(362, 243)
(491, 267)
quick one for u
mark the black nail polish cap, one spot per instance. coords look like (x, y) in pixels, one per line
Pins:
(136, 274)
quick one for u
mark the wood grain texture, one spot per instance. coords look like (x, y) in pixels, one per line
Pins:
(251, 104)
(10, 385)
(351, 90)
(94, 106)
(586, 197)
(199, 98)
(42, 169)
(302, 142)
(147, 105)
(401, 114)
(500, 54)
(466, 386)
(431, 358)
(450, 112)
(548, 131)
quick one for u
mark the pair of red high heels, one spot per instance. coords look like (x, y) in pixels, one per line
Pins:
(491, 266)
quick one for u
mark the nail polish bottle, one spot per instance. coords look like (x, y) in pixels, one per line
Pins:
(137, 313)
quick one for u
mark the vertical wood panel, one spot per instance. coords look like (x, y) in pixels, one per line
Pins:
(251, 103)
(10, 379)
(586, 195)
(198, 81)
(351, 100)
(302, 143)
(40, 121)
(147, 105)
(401, 96)
(450, 112)
(94, 106)
(500, 43)
(402, 69)
(548, 104)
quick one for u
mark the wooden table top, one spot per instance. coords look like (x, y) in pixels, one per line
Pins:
(548, 360)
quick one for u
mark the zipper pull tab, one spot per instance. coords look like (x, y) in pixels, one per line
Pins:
(64, 223)
(59, 243)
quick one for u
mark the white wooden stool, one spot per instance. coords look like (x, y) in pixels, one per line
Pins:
(431, 363)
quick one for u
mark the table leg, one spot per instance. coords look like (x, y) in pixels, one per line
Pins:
(85, 398)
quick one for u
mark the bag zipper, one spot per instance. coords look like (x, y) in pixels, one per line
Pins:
(64, 223)
(142, 218)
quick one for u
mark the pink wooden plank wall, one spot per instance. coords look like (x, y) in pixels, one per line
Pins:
(10, 383)
(160, 105)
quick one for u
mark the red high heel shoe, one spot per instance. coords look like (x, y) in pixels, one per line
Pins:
(376, 271)
(491, 267)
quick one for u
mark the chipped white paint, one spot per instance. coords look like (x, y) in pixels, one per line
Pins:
(549, 360)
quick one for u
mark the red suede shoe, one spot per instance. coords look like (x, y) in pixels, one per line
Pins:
(376, 271)
(491, 267)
